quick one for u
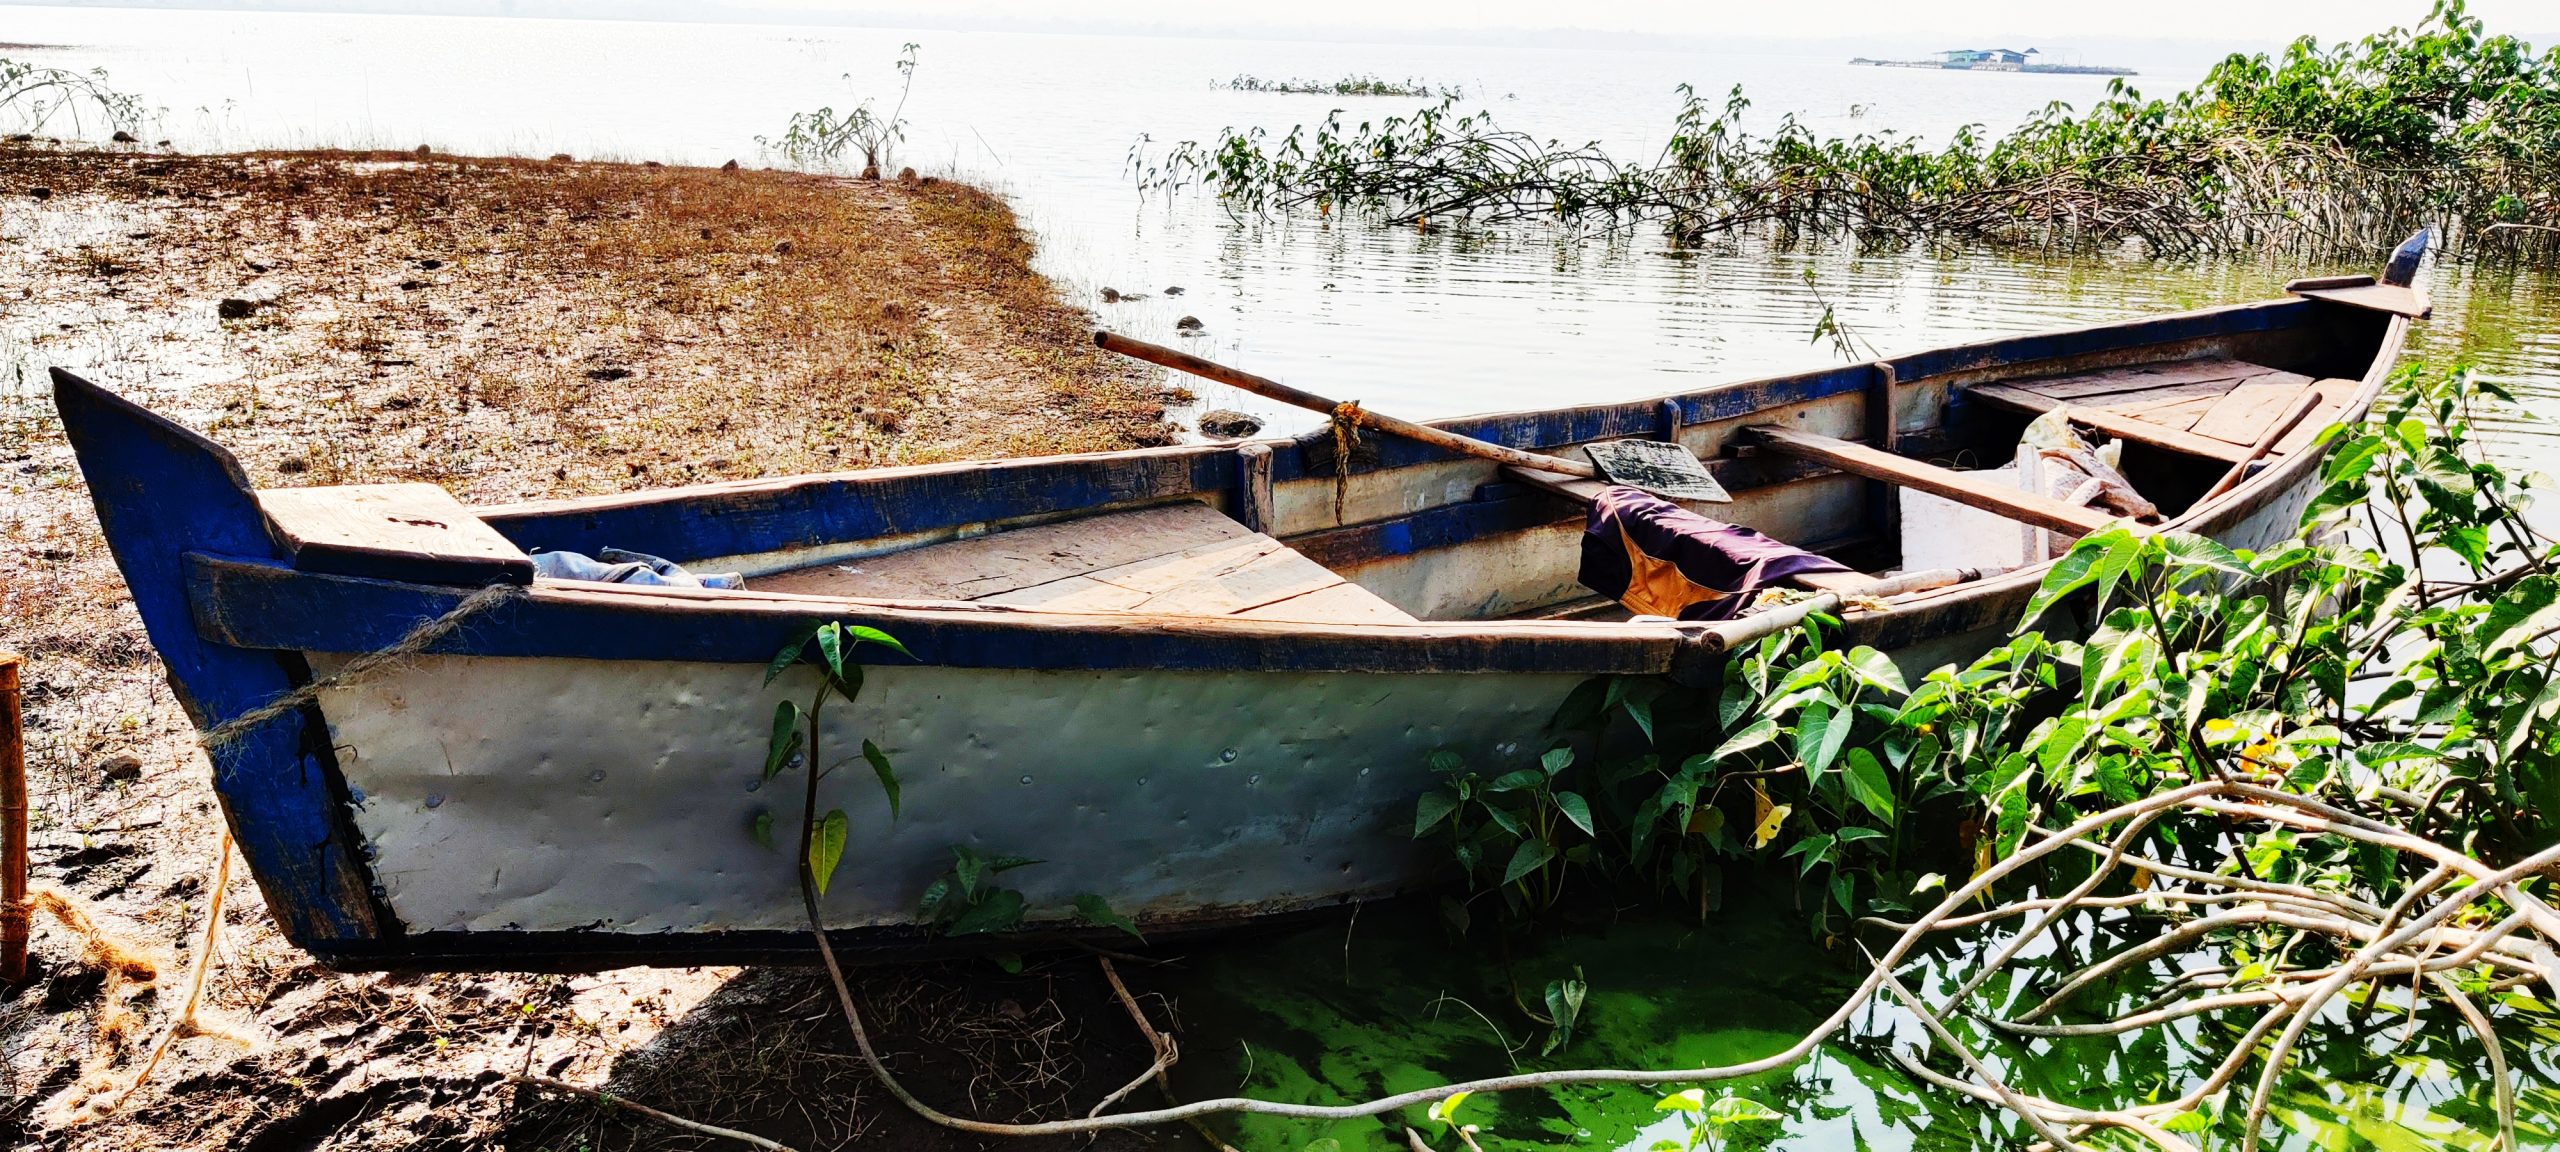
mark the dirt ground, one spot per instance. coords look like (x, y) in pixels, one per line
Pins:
(507, 329)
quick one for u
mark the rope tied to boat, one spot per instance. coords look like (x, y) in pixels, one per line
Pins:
(1346, 436)
(418, 639)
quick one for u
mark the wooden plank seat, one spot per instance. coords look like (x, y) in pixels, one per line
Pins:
(2213, 407)
(1184, 559)
(413, 532)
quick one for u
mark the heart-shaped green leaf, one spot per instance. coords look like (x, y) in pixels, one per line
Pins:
(826, 849)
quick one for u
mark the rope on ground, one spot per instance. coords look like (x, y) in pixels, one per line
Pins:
(129, 969)
(418, 640)
(187, 1022)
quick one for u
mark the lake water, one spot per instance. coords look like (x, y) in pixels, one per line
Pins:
(1419, 323)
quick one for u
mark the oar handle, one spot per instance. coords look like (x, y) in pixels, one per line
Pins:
(1269, 389)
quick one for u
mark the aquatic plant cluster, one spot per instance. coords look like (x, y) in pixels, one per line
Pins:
(2273, 775)
(1363, 84)
(819, 140)
(2325, 147)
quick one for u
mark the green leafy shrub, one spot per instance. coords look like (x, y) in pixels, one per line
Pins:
(2345, 665)
(2325, 147)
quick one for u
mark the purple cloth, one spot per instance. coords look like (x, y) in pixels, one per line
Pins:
(1660, 559)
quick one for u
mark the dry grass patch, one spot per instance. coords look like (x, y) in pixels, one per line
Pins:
(508, 329)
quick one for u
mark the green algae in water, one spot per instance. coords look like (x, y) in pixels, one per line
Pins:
(1389, 1003)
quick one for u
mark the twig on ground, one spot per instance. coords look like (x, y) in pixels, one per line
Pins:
(609, 1100)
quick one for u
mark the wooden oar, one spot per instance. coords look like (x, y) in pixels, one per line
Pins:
(1664, 473)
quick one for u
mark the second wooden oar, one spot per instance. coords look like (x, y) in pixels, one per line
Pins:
(1664, 473)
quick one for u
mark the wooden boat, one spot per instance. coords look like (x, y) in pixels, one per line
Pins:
(1201, 681)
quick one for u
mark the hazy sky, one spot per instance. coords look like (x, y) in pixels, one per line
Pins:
(2173, 19)
(2218, 21)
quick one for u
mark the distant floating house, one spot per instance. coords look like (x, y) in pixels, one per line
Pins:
(1996, 60)
(1986, 59)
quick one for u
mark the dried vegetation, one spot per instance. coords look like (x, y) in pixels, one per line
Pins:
(507, 329)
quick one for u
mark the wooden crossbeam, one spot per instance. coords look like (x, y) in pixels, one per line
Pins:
(1962, 487)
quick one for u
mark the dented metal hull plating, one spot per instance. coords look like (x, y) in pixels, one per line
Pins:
(511, 795)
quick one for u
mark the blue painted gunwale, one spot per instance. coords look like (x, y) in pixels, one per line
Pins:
(2228, 320)
(744, 518)
(261, 603)
(751, 517)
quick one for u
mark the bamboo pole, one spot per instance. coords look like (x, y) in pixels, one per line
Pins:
(1274, 390)
(13, 826)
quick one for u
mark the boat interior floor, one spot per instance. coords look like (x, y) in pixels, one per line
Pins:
(1187, 558)
(2215, 408)
(1183, 558)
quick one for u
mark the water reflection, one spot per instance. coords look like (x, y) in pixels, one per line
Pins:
(1421, 322)
(1387, 1002)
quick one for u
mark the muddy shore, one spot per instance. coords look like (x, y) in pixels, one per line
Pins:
(507, 329)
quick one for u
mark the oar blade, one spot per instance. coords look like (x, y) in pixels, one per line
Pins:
(1668, 470)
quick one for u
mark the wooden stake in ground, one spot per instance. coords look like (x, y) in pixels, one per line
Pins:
(13, 826)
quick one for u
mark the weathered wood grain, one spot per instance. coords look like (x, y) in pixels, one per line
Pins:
(2141, 378)
(1001, 562)
(2251, 405)
(1343, 603)
(2178, 414)
(2335, 395)
(415, 532)
(1210, 580)
(2113, 424)
(2393, 299)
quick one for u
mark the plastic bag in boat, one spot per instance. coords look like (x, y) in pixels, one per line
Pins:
(2062, 465)
(1660, 559)
(615, 566)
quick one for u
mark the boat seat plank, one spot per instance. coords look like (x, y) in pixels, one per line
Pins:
(2205, 373)
(1343, 603)
(2178, 414)
(2115, 424)
(1211, 580)
(2334, 394)
(1965, 488)
(2245, 413)
(2394, 299)
(990, 565)
(1184, 558)
(2166, 395)
(416, 533)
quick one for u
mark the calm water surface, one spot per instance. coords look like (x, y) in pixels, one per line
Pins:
(1423, 323)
